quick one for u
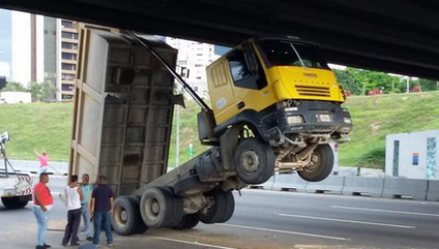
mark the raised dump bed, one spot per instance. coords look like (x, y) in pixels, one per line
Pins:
(123, 110)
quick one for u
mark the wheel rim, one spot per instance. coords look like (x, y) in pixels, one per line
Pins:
(152, 208)
(250, 161)
(121, 216)
(314, 164)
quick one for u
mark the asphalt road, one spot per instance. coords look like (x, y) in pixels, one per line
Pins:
(268, 219)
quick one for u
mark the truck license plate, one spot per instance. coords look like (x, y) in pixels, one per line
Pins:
(324, 118)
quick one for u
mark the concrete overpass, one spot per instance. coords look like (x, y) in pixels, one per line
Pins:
(398, 36)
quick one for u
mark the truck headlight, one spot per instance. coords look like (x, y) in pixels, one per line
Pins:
(347, 121)
(297, 119)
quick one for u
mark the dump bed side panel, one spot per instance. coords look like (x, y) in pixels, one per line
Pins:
(121, 130)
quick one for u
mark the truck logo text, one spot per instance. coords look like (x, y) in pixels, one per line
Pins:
(312, 75)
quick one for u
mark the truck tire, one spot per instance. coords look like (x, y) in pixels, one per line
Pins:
(157, 207)
(191, 185)
(126, 219)
(254, 161)
(178, 207)
(141, 226)
(15, 202)
(189, 221)
(321, 164)
(222, 209)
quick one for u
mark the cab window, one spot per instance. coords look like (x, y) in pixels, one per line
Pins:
(242, 77)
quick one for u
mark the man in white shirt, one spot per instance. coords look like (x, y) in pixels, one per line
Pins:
(73, 202)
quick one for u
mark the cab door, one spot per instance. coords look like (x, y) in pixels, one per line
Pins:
(250, 87)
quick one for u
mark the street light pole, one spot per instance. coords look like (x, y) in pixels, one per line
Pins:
(177, 143)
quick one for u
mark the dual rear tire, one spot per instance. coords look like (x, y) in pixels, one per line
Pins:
(127, 219)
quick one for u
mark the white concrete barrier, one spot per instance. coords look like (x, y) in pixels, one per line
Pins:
(332, 184)
(268, 185)
(433, 190)
(288, 182)
(363, 186)
(405, 188)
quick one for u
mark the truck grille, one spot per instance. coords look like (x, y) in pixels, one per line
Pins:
(313, 91)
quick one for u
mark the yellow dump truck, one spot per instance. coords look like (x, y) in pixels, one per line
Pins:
(275, 104)
(281, 92)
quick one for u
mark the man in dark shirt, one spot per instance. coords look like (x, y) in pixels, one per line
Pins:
(102, 208)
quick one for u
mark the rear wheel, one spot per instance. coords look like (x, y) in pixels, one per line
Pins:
(189, 221)
(159, 207)
(254, 161)
(15, 202)
(322, 162)
(222, 208)
(127, 219)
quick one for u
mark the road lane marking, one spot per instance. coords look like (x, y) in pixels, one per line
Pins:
(348, 221)
(285, 232)
(385, 211)
(191, 243)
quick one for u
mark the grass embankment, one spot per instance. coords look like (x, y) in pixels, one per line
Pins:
(375, 117)
(49, 126)
(37, 125)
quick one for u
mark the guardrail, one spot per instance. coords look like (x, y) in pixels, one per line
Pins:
(350, 185)
(55, 168)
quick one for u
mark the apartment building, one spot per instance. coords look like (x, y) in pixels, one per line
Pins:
(37, 48)
(68, 45)
(195, 56)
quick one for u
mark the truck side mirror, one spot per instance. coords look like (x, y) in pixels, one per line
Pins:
(250, 58)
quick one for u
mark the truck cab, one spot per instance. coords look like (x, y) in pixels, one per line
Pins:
(284, 93)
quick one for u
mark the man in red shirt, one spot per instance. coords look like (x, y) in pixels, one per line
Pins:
(43, 202)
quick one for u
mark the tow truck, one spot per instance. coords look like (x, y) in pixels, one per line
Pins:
(15, 188)
(275, 106)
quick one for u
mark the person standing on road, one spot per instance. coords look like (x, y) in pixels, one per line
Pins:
(73, 201)
(43, 202)
(102, 200)
(44, 160)
(87, 189)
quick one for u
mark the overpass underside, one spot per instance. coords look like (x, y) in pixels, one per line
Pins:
(398, 36)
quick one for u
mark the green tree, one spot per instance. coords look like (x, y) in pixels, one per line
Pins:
(428, 85)
(348, 82)
(42, 91)
(14, 87)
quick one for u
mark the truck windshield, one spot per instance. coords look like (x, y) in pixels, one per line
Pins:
(284, 53)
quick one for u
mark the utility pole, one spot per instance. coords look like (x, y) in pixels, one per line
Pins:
(177, 143)
(177, 137)
(408, 84)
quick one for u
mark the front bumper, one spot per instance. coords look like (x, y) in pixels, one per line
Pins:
(314, 117)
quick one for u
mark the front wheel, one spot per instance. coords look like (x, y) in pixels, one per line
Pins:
(322, 162)
(254, 161)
